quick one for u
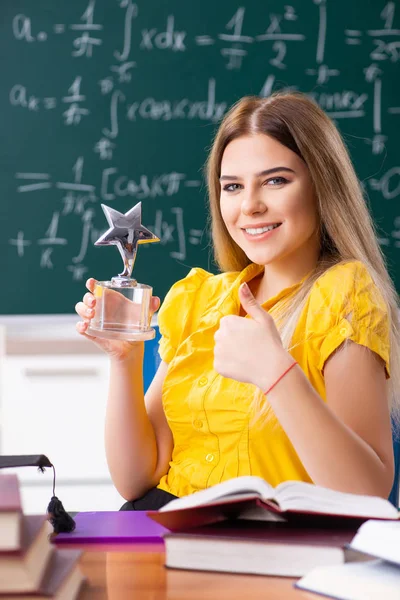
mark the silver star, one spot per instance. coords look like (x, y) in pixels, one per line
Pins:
(126, 232)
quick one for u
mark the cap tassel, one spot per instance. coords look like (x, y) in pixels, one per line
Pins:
(61, 521)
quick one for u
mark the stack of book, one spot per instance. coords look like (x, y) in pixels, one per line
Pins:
(375, 579)
(245, 526)
(30, 566)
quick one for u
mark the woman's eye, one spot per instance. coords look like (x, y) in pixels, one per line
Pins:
(276, 181)
(232, 187)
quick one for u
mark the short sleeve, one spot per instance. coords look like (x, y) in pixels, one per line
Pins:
(351, 308)
(175, 315)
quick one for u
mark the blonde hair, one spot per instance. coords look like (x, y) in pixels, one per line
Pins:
(346, 228)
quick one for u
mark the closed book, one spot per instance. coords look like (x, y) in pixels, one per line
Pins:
(372, 580)
(10, 513)
(292, 501)
(257, 548)
(112, 527)
(62, 579)
(22, 569)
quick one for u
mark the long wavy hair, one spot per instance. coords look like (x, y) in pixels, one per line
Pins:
(346, 229)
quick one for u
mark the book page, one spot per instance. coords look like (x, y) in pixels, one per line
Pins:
(237, 487)
(299, 495)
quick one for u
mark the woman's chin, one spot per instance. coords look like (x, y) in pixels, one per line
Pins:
(260, 258)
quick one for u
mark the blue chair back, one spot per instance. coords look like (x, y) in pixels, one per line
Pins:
(151, 359)
(394, 494)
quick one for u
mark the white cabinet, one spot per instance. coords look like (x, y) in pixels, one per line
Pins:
(52, 401)
(55, 405)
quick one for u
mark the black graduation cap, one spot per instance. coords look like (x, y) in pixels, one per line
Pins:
(58, 517)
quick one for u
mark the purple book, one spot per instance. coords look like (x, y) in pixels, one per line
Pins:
(113, 527)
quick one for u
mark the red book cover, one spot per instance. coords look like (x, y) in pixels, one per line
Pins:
(273, 533)
(10, 497)
(224, 509)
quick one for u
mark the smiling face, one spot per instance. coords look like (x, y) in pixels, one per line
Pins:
(267, 201)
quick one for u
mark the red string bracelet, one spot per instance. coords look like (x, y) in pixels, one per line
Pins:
(283, 375)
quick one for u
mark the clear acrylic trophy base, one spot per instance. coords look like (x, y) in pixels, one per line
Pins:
(122, 310)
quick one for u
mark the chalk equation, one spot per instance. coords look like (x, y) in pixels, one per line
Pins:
(136, 75)
(79, 199)
(281, 34)
(169, 226)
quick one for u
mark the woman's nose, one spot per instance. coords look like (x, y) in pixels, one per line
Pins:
(252, 203)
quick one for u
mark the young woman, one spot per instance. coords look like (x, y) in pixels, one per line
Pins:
(285, 364)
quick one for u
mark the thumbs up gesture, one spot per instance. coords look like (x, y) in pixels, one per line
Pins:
(250, 350)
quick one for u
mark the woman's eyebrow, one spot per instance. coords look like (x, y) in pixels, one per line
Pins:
(260, 174)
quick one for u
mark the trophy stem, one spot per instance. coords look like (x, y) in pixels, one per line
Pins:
(128, 265)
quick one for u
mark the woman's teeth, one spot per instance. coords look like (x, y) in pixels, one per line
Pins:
(258, 230)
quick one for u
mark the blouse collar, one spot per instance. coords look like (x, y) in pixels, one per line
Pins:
(230, 300)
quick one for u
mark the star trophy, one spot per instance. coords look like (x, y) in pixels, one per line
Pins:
(122, 304)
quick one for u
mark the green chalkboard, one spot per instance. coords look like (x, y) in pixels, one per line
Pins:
(111, 101)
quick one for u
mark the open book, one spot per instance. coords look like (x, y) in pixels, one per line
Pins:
(380, 539)
(372, 580)
(250, 497)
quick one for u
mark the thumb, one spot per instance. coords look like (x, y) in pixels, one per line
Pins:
(250, 304)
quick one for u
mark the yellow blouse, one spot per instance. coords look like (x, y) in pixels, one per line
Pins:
(216, 436)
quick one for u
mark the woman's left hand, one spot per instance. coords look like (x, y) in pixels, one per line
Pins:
(250, 350)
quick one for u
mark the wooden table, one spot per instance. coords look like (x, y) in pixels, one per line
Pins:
(137, 573)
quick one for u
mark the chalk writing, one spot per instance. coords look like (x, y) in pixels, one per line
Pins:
(117, 101)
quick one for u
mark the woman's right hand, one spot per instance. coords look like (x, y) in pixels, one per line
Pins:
(118, 349)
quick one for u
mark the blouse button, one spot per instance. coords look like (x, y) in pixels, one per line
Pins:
(343, 331)
(210, 457)
(198, 424)
(203, 381)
